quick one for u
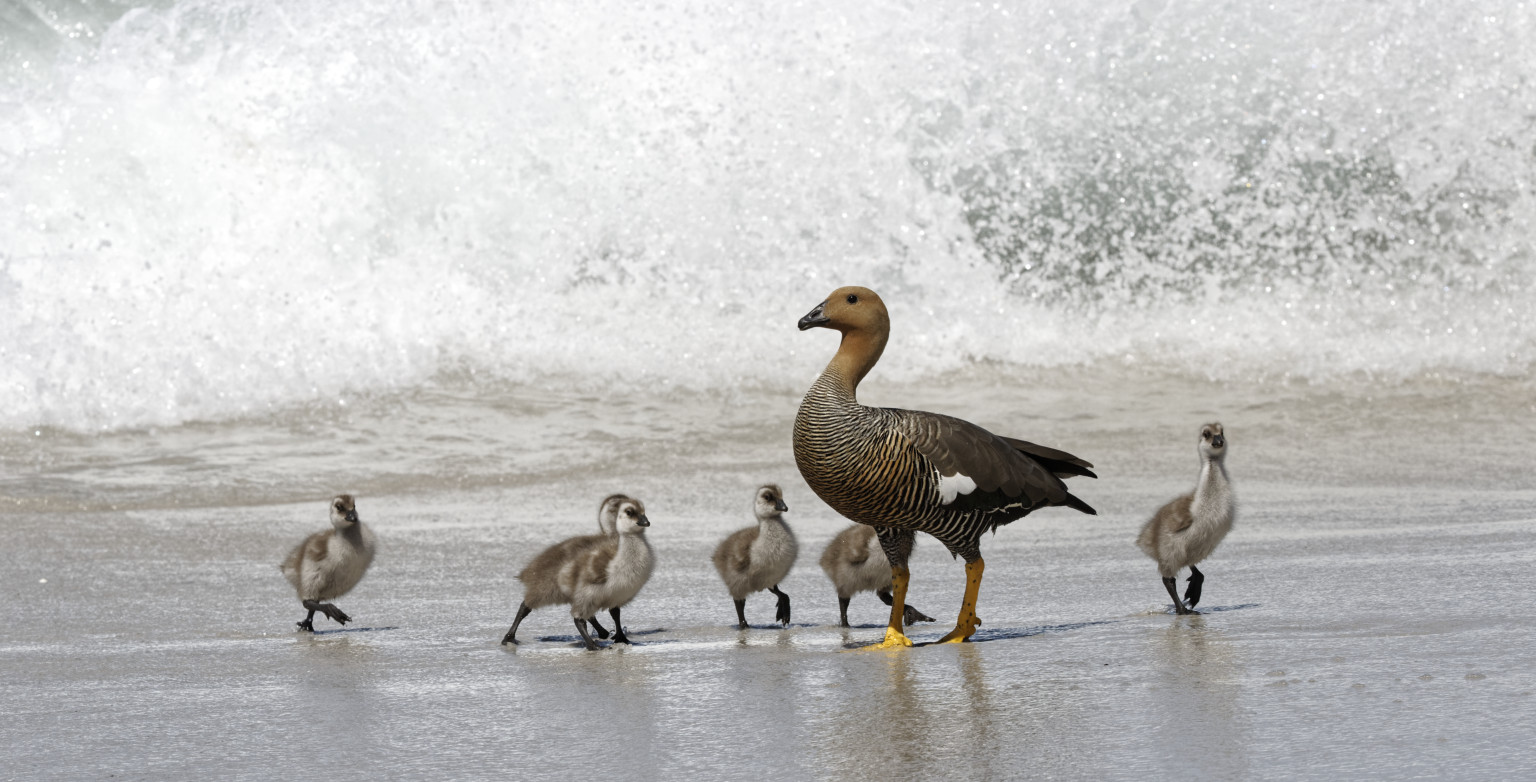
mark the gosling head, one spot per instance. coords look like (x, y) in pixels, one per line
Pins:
(630, 518)
(1213, 442)
(769, 502)
(849, 309)
(608, 512)
(343, 511)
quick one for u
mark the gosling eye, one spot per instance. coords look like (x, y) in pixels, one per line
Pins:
(853, 298)
(629, 512)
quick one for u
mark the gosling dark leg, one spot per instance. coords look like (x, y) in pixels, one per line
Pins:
(1172, 585)
(581, 627)
(910, 615)
(782, 614)
(842, 611)
(329, 610)
(741, 613)
(597, 628)
(618, 628)
(1192, 594)
(308, 625)
(522, 612)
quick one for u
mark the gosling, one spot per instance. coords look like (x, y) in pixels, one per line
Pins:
(328, 564)
(757, 558)
(1186, 530)
(590, 572)
(608, 523)
(855, 563)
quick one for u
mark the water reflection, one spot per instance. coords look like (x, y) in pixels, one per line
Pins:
(1197, 692)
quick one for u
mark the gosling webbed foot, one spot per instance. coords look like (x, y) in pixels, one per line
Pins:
(315, 606)
(602, 633)
(1196, 580)
(1172, 585)
(522, 613)
(741, 614)
(912, 616)
(307, 626)
(781, 614)
(581, 627)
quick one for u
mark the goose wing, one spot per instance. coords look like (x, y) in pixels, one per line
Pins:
(982, 471)
(1060, 463)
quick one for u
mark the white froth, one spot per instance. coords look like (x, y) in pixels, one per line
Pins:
(216, 208)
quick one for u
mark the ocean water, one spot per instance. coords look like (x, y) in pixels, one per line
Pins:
(482, 264)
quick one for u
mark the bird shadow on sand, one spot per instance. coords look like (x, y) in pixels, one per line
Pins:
(1170, 611)
(997, 633)
(340, 630)
(575, 640)
(1006, 633)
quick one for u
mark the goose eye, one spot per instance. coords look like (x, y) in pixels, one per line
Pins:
(853, 298)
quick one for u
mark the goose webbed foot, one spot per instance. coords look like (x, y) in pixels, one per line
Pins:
(586, 638)
(1196, 579)
(913, 616)
(910, 615)
(1172, 585)
(602, 633)
(967, 622)
(781, 614)
(618, 627)
(336, 614)
(522, 613)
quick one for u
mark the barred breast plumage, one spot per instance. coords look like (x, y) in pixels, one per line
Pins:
(905, 471)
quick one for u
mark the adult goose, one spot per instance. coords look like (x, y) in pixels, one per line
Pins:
(907, 471)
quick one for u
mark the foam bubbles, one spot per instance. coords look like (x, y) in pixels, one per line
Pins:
(215, 208)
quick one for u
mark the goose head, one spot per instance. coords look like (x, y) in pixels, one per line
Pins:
(608, 513)
(1213, 441)
(861, 317)
(769, 502)
(343, 511)
(630, 518)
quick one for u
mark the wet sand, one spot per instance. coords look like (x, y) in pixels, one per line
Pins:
(1365, 619)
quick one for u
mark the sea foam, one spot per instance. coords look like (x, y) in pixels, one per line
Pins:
(210, 208)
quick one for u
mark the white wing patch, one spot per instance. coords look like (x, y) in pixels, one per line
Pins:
(952, 486)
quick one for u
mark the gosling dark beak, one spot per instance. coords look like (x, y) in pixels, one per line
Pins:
(779, 506)
(815, 318)
(643, 521)
(1218, 441)
(352, 516)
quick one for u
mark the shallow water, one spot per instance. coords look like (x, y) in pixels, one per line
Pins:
(1362, 619)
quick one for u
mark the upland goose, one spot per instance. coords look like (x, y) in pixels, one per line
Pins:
(906, 471)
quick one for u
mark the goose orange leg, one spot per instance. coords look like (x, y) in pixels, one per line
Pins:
(966, 625)
(894, 637)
